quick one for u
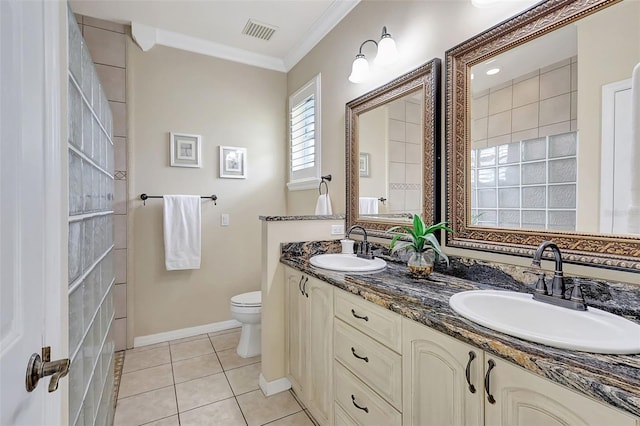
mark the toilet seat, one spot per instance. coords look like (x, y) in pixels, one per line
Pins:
(250, 299)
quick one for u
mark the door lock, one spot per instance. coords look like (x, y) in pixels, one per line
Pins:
(40, 367)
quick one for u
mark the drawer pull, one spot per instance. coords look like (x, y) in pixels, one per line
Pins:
(364, 358)
(490, 397)
(353, 400)
(472, 356)
(358, 316)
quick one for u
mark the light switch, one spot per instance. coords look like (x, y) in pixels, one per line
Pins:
(224, 219)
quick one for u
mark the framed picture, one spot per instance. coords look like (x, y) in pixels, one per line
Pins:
(364, 164)
(185, 150)
(233, 162)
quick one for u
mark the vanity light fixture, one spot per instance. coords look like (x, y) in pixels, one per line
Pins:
(493, 71)
(387, 54)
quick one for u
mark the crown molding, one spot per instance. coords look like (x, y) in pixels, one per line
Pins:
(329, 19)
(146, 37)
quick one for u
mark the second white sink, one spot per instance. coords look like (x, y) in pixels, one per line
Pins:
(517, 314)
(347, 263)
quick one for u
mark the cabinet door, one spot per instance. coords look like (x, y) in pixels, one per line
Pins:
(320, 351)
(296, 322)
(524, 399)
(435, 388)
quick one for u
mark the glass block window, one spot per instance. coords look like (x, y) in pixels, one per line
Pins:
(526, 184)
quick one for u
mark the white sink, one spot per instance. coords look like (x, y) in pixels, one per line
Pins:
(517, 314)
(347, 263)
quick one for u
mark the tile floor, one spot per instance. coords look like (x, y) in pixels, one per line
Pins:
(199, 380)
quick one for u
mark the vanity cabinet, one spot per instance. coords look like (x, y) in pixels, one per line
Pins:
(444, 384)
(368, 363)
(309, 311)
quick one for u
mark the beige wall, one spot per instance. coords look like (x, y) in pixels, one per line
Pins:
(600, 64)
(422, 30)
(228, 104)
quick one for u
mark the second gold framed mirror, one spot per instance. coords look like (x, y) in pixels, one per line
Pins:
(393, 152)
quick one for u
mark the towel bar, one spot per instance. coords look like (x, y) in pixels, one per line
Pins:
(144, 198)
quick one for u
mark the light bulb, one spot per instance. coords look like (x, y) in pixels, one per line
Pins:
(359, 69)
(387, 51)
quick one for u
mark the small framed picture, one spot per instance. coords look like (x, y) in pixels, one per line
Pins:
(233, 162)
(364, 164)
(185, 150)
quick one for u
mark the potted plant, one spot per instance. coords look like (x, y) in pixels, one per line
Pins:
(423, 244)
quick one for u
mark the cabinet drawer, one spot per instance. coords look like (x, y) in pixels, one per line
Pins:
(375, 364)
(341, 417)
(379, 323)
(351, 393)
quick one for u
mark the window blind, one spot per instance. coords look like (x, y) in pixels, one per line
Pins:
(303, 134)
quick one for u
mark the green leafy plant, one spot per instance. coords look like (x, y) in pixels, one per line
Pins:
(421, 237)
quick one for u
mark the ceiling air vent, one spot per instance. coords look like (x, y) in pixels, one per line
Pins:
(259, 30)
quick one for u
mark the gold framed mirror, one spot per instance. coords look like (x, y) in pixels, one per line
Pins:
(529, 155)
(393, 152)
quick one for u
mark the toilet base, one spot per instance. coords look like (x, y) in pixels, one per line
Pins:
(250, 341)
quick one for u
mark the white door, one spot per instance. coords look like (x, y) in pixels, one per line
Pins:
(617, 158)
(31, 278)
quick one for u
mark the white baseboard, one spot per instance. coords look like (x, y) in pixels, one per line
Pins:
(275, 386)
(184, 332)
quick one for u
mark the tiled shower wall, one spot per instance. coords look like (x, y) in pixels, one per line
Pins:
(405, 157)
(91, 276)
(107, 45)
(538, 104)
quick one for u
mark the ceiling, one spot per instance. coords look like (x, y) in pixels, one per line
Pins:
(214, 27)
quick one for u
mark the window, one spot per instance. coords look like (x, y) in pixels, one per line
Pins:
(304, 136)
(529, 184)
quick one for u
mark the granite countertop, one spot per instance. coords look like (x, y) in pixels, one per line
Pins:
(611, 379)
(303, 217)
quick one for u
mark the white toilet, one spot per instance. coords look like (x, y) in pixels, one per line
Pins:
(246, 308)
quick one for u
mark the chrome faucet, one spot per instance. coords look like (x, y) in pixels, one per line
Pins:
(365, 246)
(556, 294)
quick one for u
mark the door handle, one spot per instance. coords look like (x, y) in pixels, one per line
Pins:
(40, 367)
(304, 287)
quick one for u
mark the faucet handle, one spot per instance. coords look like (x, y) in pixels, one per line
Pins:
(576, 293)
(541, 285)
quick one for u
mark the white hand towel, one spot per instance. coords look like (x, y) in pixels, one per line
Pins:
(323, 206)
(182, 235)
(368, 205)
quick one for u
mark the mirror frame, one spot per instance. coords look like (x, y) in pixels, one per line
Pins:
(603, 250)
(426, 78)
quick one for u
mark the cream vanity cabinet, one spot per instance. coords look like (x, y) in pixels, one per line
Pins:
(368, 363)
(309, 337)
(444, 384)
